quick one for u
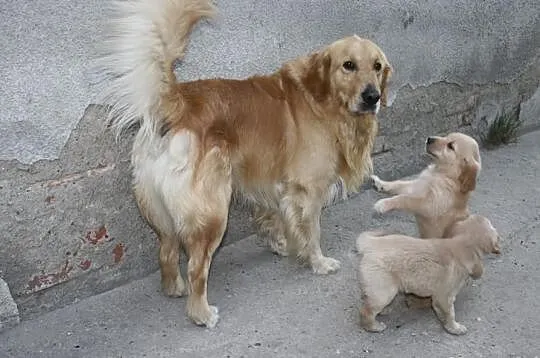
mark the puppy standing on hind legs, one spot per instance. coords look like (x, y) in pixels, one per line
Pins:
(439, 196)
(201, 141)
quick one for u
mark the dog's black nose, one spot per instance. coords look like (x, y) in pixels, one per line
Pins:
(430, 140)
(371, 96)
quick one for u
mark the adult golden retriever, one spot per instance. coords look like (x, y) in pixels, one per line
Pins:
(278, 141)
(439, 196)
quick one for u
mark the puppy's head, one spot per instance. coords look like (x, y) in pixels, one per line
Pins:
(459, 156)
(352, 72)
(479, 229)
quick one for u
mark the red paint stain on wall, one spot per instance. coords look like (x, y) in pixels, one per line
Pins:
(95, 237)
(42, 281)
(85, 264)
(118, 253)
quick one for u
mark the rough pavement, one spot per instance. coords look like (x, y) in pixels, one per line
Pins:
(271, 307)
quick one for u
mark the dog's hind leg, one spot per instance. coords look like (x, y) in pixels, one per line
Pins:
(196, 190)
(156, 214)
(203, 228)
(200, 246)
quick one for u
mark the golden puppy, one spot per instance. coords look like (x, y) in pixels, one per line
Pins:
(440, 194)
(436, 268)
(279, 142)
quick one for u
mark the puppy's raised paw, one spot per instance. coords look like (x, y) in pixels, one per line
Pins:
(377, 184)
(382, 206)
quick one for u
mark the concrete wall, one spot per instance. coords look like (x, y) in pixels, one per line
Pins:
(70, 227)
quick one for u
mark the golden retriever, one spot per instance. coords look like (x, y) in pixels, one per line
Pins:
(436, 268)
(439, 196)
(278, 142)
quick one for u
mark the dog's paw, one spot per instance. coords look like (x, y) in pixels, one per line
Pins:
(381, 206)
(279, 246)
(208, 318)
(455, 328)
(377, 184)
(325, 266)
(375, 327)
(176, 288)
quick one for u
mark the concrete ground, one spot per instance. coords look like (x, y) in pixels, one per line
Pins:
(271, 307)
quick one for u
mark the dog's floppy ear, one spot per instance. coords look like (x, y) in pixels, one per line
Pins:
(316, 79)
(387, 73)
(467, 178)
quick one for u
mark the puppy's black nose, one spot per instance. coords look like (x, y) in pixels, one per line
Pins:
(430, 140)
(371, 96)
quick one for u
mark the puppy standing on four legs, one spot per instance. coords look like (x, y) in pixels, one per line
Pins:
(436, 268)
(278, 141)
(439, 196)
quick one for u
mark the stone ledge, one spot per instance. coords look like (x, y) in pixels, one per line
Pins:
(9, 313)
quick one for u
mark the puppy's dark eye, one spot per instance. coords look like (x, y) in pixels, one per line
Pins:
(450, 145)
(377, 66)
(349, 66)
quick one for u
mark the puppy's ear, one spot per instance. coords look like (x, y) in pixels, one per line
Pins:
(316, 78)
(387, 73)
(467, 178)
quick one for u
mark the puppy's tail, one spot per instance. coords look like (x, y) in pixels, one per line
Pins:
(363, 242)
(145, 39)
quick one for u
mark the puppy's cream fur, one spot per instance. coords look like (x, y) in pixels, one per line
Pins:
(440, 194)
(278, 142)
(436, 268)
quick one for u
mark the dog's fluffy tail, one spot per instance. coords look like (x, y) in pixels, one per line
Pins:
(145, 39)
(363, 242)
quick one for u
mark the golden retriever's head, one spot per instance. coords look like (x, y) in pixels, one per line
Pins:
(351, 72)
(480, 230)
(458, 155)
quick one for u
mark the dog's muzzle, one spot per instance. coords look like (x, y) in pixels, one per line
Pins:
(369, 100)
(429, 142)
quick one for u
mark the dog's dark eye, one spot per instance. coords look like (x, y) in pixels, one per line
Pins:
(377, 66)
(349, 66)
(450, 145)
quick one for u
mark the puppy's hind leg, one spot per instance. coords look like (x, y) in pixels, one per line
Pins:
(444, 308)
(377, 293)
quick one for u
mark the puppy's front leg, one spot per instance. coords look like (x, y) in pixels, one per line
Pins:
(391, 187)
(444, 308)
(302, 213)
(399, 202)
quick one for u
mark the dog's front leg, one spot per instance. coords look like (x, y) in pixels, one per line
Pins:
(302, 212)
